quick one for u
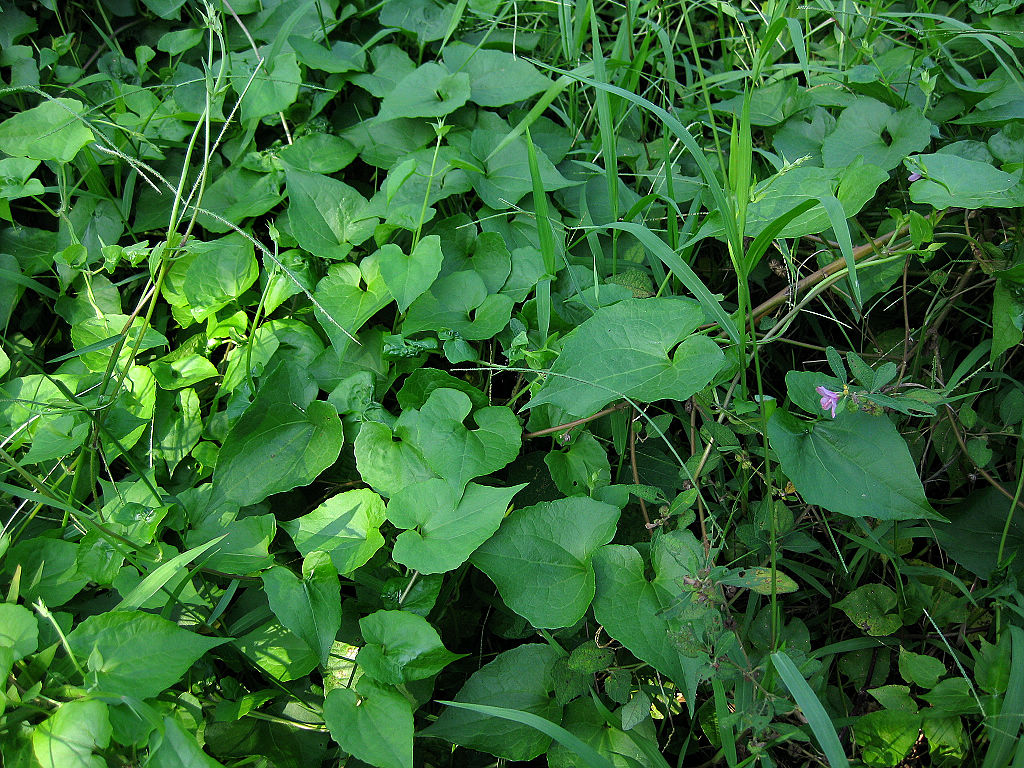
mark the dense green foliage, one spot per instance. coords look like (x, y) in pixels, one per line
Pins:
(425, 383)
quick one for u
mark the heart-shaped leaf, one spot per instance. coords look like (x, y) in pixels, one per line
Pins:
(311, 606)
(443, 529)
(638, 348)
(409, 276)
(855, 464)
(346, 527)
(540, 558)
(400, 647)
(435, 441)
(372, 723)
(650, 618)
(282, 441)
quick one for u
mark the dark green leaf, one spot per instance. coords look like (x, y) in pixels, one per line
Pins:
(639, 348)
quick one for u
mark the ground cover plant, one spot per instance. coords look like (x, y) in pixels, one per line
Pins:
(424, 383)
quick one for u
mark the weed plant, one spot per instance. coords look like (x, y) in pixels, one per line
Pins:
(569, 383)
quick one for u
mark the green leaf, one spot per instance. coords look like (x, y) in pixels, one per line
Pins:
(919, 669)
(813, 711)
(95, 337)
(868, 607)
(54, 130)
(582, 468)
(159, 577)
(274, 88)
(175, 747)
(49, 569)
(459, 302)
(497, 77)
(576, 748)
(427, 19)
(349, 296)
(507, 178)
(372, 723)
(886, 737)
(177, 425)
(639, 348)
(282, 654)
(246, 541)
(761, 580)
(646, 616)
(540, 558)
(283, 440)
(401, 647)
(220, 271)
(132, 653)
(521, 680)
(877, 133)
(434, 441)
(346, 527)
(407, 277)
(184, 371)
(67, 738)
(974, 533)
(428, 91)
(421, 382)
(955, 182)
(165, 9)
(343, 56)
(855, 464)
(311, 606)
(1007, 317)
(443, 530)
(326, 215)
(18, 630)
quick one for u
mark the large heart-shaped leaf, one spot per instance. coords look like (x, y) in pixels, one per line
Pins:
(855, 464)
(282, 441)
(651, 618)
(519, 679)
(460, 302)
(443, 529)
(434, 441)
(506, 178)
(326, 215)
(409, 276)
(372, 723)
(951, 181)
(428, 91)
(54, 130)
(400, 647)
(497, 77)
(67, 738)
(311, 606)
(122, 648)
(876, 132)
(540, 558)
(346, 527)
(349, 296)
(638, 348)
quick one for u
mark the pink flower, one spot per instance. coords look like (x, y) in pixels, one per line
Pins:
(914, 176)
(829, 399)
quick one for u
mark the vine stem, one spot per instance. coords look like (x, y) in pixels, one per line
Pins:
(577, 422)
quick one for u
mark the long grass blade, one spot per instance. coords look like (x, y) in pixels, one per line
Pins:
(816, 716)
(588, 754)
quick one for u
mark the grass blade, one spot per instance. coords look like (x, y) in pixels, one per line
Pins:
(816, 716)
(588, 754)
(1003, 728)
(150, 585)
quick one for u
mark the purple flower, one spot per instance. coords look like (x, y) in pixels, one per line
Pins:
(829, 399)
(914, 176)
